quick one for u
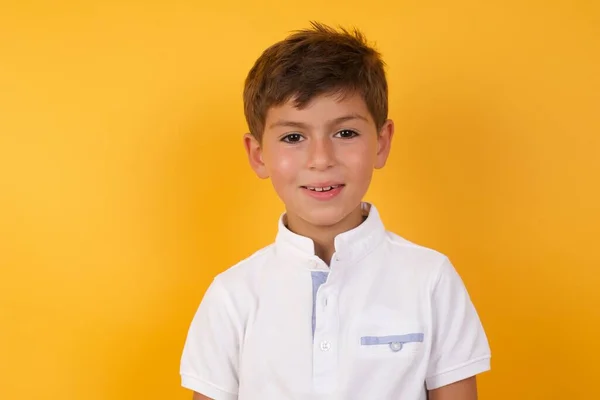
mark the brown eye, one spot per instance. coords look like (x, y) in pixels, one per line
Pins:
(292, 138)
(346, 134)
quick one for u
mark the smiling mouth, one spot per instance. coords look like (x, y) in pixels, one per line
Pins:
(322, 188)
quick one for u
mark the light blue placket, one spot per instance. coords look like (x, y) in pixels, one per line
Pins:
(318, 278)
(325, 331)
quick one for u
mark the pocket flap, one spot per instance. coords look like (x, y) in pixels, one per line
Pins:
(375, 340)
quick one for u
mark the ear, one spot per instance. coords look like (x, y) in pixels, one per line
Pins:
(384, 143)
(254, 152)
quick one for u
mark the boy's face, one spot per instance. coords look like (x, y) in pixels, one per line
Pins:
(320, 159)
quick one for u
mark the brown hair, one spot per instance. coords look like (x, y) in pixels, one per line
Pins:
(313, 62)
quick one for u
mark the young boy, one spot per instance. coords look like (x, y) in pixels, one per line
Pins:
(337, 307)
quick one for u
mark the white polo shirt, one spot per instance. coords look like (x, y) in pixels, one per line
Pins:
(386, 320)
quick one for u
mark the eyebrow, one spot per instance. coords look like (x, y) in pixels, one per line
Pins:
(302, 125)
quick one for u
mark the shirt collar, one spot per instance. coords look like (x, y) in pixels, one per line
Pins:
(349, 246)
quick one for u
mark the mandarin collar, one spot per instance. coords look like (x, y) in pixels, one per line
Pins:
(349, 246)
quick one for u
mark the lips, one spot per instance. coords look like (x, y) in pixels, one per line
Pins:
(326, 188)
(323, 191)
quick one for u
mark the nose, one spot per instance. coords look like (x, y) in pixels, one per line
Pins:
(321, 154)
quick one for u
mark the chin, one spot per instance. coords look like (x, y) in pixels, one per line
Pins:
(325, 216)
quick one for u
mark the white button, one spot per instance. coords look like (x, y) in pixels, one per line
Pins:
(325, 345)
(396, 346)
(313, 263)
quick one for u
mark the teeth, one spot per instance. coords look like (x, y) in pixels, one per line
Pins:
(322, 189)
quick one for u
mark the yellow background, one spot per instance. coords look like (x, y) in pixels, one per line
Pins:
(124, 187)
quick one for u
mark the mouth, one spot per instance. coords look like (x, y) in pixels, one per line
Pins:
(323, 188)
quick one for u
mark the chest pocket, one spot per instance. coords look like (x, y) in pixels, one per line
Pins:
(379, 334)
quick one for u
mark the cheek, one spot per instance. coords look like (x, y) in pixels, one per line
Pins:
(360, 161)
(283, 167)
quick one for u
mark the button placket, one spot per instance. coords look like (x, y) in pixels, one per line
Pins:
(325, 342)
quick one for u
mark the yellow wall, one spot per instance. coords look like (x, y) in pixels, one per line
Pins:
(124, 188)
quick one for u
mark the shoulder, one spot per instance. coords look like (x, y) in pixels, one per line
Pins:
(421, 259)
(247, 267)
(241, 279)
(427, 268)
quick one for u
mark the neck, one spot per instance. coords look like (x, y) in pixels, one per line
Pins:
(323, 236)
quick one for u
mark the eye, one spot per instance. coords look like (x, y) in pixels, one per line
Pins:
(292, 138)
(346, 134)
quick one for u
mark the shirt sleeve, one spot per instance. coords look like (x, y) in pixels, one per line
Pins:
(460, 348)
(209, 363)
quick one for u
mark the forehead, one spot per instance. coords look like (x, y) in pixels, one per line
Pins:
(321, 109)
